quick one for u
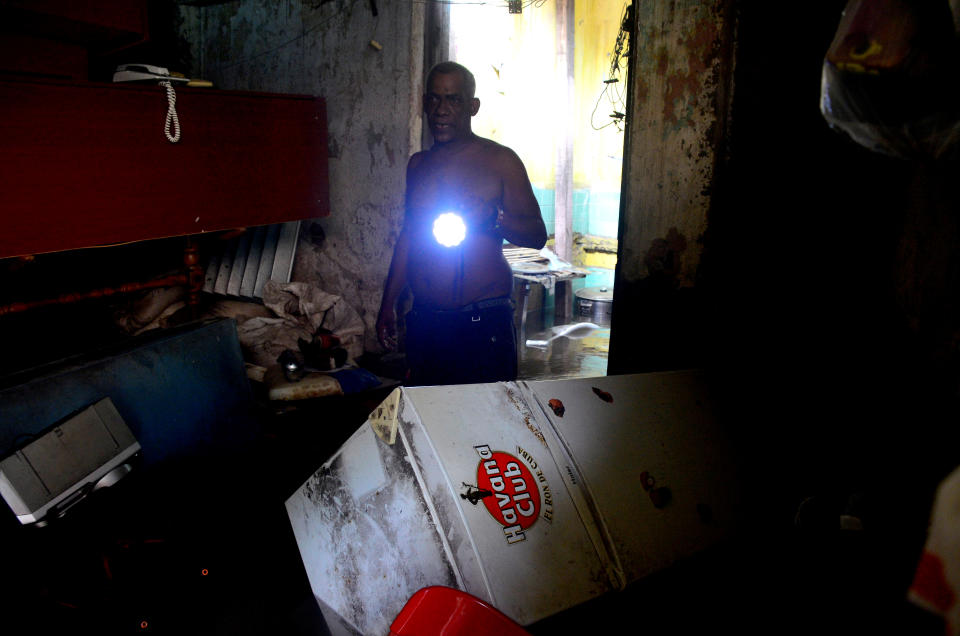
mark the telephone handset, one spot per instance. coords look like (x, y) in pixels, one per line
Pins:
(146, 72)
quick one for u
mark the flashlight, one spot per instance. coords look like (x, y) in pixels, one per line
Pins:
(449, 229)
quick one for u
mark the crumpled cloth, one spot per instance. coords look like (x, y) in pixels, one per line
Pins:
(300, 309)
(290, 311)
(150, 310)
(936, 581)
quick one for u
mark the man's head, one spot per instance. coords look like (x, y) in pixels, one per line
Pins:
(449, 102)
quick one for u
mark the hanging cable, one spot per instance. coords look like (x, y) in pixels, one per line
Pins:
(174, 136)
(613, 86)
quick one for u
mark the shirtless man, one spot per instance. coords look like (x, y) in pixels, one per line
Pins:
(460, 329)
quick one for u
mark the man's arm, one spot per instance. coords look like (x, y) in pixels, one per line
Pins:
(396, 282)
(397, 274)
(521, 222)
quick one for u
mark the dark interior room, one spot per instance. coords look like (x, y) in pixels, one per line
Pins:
(202, 199)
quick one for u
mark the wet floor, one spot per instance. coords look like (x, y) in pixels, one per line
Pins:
(554, 352)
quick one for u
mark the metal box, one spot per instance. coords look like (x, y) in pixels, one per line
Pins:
(183, 392)
(533, 496)
(62, 466)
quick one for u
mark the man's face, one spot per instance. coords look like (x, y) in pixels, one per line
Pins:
(449, 108)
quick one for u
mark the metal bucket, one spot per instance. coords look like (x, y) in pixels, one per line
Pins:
(595, 304)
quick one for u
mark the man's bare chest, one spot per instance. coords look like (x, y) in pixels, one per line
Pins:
(453, 184)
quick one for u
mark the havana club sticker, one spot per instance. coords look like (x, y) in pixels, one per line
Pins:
(513, 489)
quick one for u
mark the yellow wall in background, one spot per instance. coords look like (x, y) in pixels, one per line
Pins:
(597, 154)
(513, 59)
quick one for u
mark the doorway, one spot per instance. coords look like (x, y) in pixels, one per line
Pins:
(551, 79)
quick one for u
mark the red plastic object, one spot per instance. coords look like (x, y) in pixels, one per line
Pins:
(443, 611)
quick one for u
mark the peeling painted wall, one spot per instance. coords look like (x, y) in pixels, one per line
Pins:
(324, 48)
(678, 108)
(679, 104)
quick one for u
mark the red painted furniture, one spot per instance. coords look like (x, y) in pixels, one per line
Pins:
(85, 164)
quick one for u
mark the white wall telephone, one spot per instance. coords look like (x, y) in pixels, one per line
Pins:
(146, 72)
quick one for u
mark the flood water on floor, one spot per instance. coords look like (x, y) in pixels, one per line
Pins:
(572, 350)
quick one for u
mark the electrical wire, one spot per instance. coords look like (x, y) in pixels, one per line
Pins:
(613, 86)
(620, 42)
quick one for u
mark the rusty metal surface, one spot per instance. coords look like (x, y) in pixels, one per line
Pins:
(655, 459)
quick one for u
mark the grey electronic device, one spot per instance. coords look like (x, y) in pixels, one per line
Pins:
(89, 450)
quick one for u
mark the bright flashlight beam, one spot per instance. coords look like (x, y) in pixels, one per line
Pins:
(449, 229)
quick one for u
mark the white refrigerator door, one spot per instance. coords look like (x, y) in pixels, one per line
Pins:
(492, 489)
(654, 458)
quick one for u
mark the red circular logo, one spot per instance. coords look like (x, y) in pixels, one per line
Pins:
(514, 498)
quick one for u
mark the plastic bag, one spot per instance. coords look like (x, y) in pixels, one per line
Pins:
(890, 78)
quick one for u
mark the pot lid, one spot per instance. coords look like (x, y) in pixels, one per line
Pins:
(602, 293)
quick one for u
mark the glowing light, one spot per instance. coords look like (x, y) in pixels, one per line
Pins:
(449, 229)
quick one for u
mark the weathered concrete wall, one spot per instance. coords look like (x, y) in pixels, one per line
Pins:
(324, 48)
(679, 101)
(680, 88)
(826, 295)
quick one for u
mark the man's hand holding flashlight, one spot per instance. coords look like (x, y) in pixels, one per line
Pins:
(451, 227)
(387, 330)
(479, 215)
